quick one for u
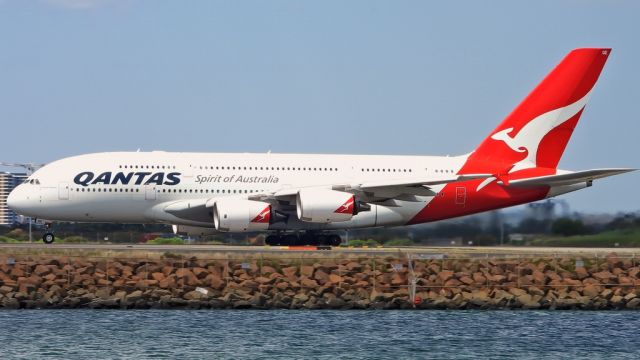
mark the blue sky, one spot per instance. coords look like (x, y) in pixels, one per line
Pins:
(380, 77)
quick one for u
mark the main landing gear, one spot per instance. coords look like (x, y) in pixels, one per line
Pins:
(48, 237)
(304, 239)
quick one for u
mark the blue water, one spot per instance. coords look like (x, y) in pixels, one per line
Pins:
(113, 334)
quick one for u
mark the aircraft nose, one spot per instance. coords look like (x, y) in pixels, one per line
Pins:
(16, 200)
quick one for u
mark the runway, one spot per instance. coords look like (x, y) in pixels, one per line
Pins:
(423, 250)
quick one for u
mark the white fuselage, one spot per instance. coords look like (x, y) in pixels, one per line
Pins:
(77, 189)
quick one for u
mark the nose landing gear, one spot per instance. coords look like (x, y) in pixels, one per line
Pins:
(48, 238)
(307, 238)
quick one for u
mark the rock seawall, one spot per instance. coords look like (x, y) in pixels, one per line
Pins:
(325, 282)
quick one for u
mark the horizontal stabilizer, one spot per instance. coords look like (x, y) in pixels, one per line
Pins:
(568, 178)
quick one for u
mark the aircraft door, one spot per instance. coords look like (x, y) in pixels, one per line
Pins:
(63, 191)
(149, 192)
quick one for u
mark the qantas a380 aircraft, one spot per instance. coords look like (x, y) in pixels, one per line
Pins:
(304, 199)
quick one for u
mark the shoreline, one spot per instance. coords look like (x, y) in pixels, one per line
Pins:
(336, 279)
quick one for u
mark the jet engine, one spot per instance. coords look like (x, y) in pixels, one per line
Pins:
(326, 206)
(241, 215)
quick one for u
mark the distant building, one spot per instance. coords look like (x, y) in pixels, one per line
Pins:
(8, 181)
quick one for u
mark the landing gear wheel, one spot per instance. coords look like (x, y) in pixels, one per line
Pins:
(334, 240)
(321, 239)
(308, 239)
(272, 240)
(48, 238)
(290, 240)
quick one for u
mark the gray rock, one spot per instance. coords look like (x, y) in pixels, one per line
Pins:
(178, 302)
(103, 293)
(193, 295)
(194, 304)
(5, 289)
(313, 303)
(21, 296)
(361, 304)
(11, 303)
(86, 298)
(301, 297)
(133, 297)
(378, 305)
(218, 304)
(141, 304)
(70, 302)
(336, 303)
(241, 304)
(633, 303)
(258, 300)
(109, 303)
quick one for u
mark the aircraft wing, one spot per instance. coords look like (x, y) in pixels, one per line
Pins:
(568, 178)
(380, 190)
(407, 189)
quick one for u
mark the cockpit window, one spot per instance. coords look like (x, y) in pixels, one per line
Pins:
(33, 182)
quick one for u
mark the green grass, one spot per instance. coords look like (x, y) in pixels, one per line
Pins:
(399, 242)
(356, 243)
(166, 241)
(625, 238)
(73, 240)
(8, 240)
(361, 243)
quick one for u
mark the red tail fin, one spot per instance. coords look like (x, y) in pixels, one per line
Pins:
(536, 133)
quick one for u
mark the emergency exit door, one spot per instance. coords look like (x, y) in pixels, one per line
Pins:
(63, 191)
(149, 192)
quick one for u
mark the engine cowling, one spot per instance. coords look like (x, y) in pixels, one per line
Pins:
(241, 215)
(325, 206)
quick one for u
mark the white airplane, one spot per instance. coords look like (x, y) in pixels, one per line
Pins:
(305, 198)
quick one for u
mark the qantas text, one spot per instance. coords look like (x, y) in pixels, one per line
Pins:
(138, 178)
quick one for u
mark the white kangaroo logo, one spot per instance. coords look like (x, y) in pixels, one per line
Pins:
(344, 207)
(529, 137)
(503, 135)
(262, 216)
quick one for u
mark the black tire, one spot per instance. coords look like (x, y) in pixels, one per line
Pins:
(308, 239)
(290, 240)
(334, 240)
(272, 240)
(48, 238)
(321, 239)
